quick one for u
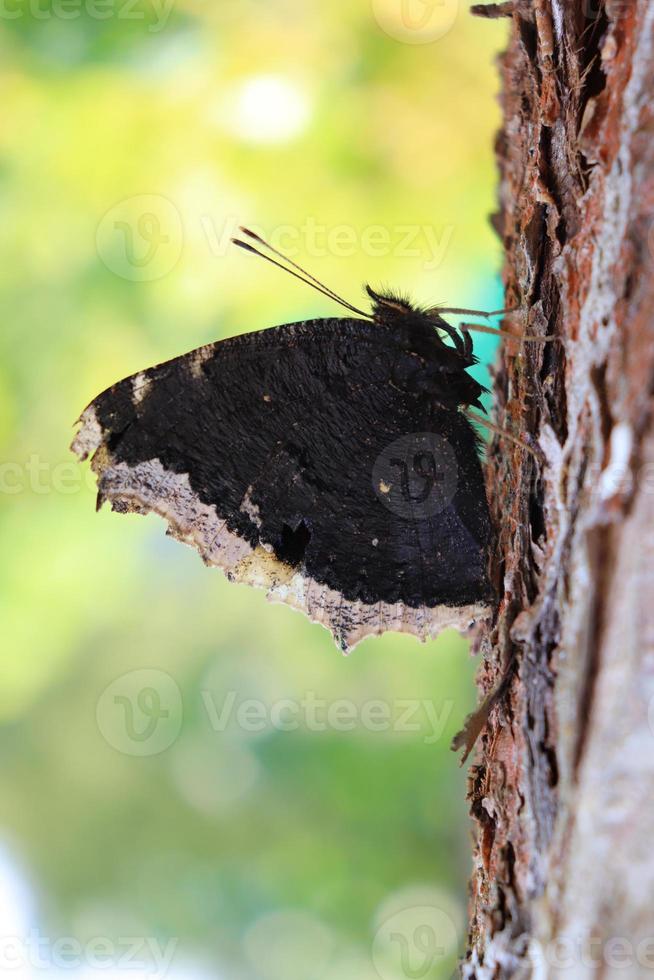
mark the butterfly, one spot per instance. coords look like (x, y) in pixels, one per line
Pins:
(332, 462)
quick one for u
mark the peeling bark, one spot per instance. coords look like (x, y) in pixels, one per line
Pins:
(562, 792)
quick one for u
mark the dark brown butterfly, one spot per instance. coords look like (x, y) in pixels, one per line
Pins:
(329, 461)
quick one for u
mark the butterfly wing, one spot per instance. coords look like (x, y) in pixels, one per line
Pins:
(292, 459)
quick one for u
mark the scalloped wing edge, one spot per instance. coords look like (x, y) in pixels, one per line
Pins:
(148, 487)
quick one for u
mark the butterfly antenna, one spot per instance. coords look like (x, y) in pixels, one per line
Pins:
(307, 282)
(504, 434)
(307, 277)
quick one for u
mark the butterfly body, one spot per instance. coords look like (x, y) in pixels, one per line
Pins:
(326, 461)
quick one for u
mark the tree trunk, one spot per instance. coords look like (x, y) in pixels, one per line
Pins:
(562, 792)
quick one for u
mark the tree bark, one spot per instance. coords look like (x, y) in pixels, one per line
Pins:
(562, 792)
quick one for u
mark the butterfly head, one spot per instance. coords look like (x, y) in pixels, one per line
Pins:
(425, 330)
(393, 309)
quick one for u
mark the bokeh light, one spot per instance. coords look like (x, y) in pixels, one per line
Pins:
(266, 109)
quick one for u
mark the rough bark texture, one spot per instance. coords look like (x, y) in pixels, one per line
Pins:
(562, 791)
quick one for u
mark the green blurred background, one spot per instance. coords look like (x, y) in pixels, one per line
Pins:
(139, 798)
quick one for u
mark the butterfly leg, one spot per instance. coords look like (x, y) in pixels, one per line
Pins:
(476, 722)
(496, 332)
(460, 311)
(537, 453)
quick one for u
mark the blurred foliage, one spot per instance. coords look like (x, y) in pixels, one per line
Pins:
(310, 122)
